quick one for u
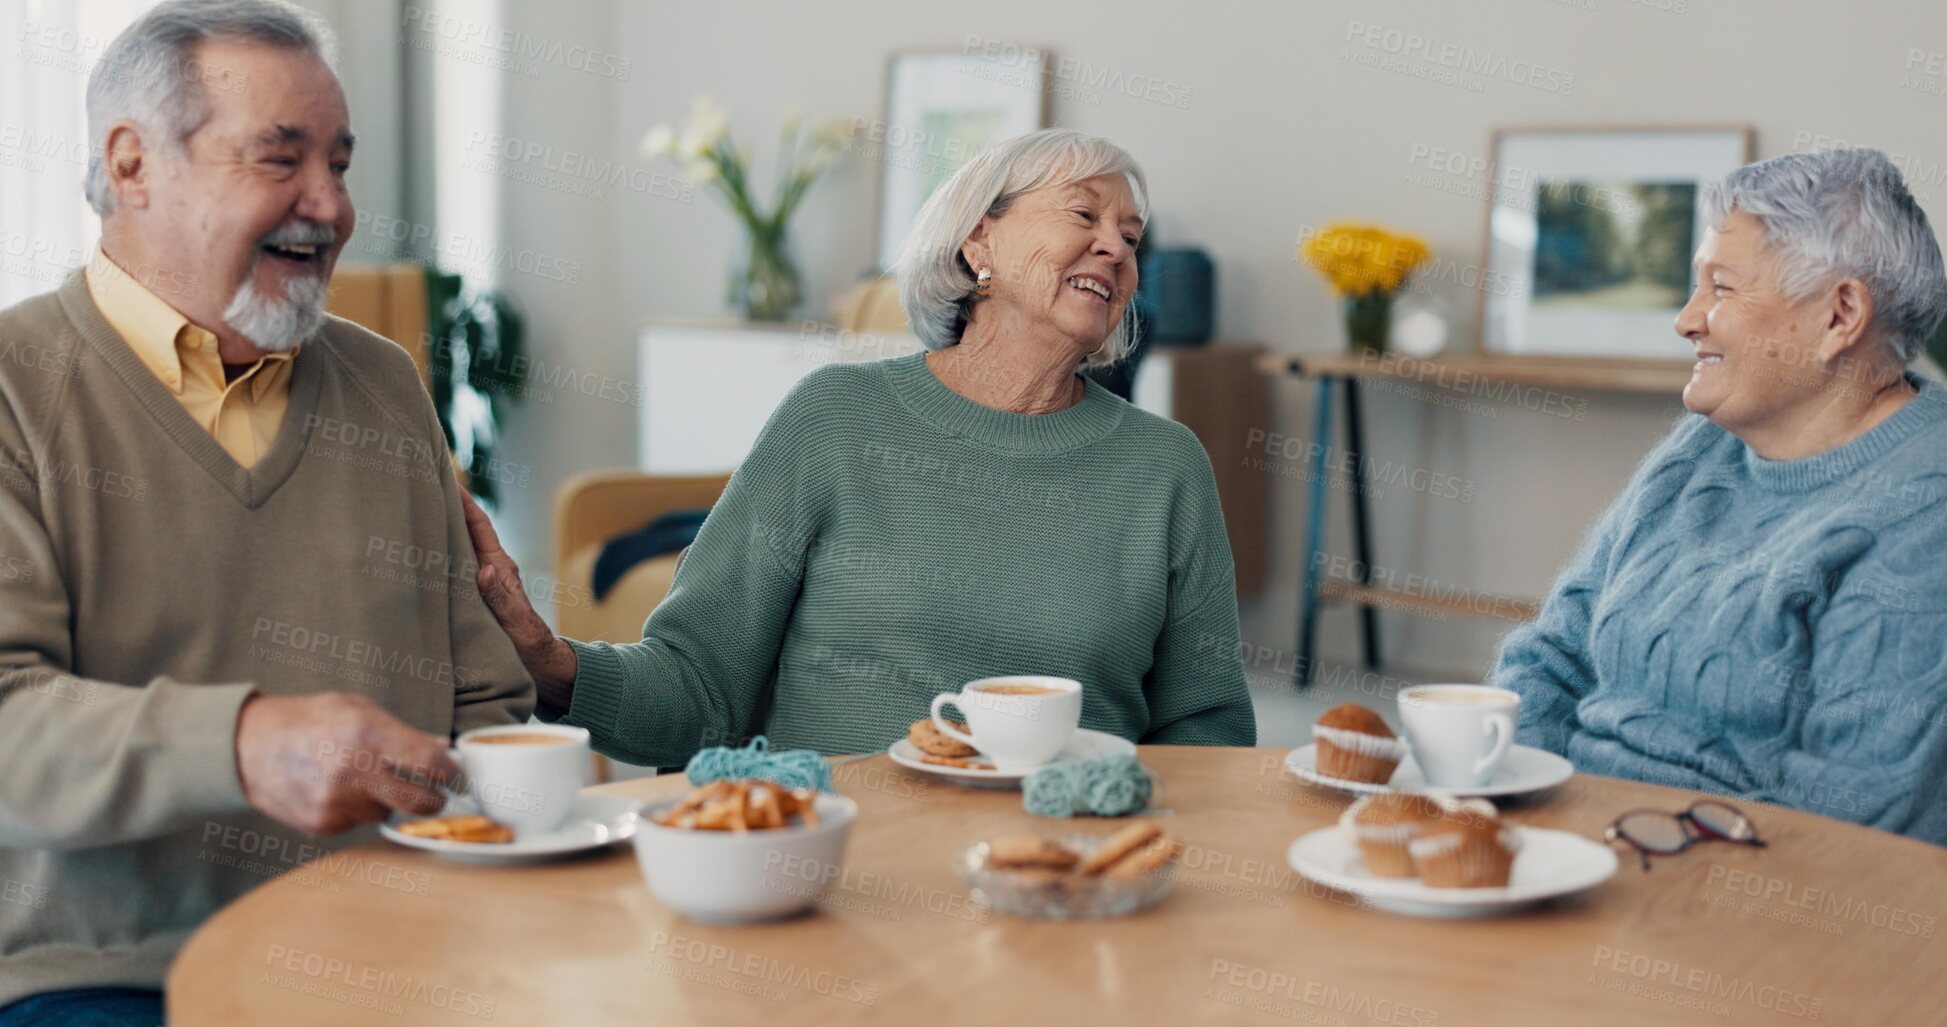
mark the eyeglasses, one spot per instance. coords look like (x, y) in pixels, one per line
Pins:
(1655, 833)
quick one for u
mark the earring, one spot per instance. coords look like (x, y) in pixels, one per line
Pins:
(984, 282)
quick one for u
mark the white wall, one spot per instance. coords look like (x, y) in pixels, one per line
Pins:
(372, 72)
(581, 313)
(1281, 131)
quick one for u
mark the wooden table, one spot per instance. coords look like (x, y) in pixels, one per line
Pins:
(1832, 919)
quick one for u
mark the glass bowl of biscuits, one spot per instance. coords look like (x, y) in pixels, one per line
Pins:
(1072, 876)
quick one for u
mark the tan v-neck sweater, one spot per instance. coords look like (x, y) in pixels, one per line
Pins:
(148, 583)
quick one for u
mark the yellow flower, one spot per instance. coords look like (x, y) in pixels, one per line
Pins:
(1359, 259)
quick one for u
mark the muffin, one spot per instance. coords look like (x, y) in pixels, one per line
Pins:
(1354, 744)
(1381, 825)
(1465, 848)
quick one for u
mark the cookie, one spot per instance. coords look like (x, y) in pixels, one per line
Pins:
(928, 738)
(954, 761)
(1153, 856)
(1120, 844)
(459, 829)
(1028, 851)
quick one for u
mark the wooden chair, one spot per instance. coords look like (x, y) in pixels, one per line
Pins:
(389, 299)
(589, 510)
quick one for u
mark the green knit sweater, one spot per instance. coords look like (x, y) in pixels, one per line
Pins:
(888, 539)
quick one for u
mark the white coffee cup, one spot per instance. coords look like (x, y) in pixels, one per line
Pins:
(1459, 733)
(1018, 731)
(525, 776)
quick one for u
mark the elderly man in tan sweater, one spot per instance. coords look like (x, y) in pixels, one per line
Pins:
(207, 653)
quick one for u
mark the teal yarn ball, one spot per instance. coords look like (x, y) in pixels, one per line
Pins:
(1110, 786)
(794, 768)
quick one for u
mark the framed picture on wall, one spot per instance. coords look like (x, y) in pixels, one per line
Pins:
(1591, 232)
(942, 108)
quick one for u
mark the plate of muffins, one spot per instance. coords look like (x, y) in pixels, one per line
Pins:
(1430, 855)
(1354, 750)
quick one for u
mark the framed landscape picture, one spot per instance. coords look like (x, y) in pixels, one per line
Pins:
(942, 108)
(1591, 232)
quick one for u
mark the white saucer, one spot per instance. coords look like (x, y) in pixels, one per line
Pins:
(596, 820)
(1524, 770)
(1549, 864)
(1085, 745)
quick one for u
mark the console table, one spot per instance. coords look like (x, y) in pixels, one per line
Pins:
(1466, 373)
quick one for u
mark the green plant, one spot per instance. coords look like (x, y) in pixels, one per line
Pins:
(477, 362)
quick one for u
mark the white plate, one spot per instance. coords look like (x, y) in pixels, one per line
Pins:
(1549, 864)
(1086, 745)
(596, 820)
(1524, 770)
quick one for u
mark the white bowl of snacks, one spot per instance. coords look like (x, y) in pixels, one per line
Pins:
(743, 851)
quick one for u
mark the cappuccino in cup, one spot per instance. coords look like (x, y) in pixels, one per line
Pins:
(1018, 722)
(1459, 733)
(522, 738)
(524, 775)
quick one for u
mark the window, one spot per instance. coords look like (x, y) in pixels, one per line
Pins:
(46, 227)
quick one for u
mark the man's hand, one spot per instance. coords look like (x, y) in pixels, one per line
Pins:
(549, 660)
(331, 761)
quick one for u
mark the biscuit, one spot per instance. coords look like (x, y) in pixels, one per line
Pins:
(475, 829)
(953, 761)
(1120, 844)
(1152, 856)
(1028, 851)
(928, 738)
(739, 806)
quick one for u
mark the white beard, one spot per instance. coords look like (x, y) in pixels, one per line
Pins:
(278, 325)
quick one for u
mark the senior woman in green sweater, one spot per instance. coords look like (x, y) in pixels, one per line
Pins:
(903, 527)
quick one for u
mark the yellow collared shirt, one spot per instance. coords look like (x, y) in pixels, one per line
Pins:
(243, 414)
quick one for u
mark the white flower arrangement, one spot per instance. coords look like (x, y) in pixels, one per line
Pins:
(708, 157)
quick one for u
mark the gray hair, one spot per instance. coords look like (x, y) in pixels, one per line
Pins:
(150, 75)
(936, 285)
(1844, 213)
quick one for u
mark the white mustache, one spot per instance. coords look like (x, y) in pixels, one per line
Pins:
(300, 233)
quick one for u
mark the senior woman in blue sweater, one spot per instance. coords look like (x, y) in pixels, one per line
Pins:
(1763, 612)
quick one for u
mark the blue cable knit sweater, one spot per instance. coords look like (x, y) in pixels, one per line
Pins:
(1775, 630)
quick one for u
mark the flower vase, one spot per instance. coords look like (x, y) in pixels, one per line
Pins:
(764, 285)
(1369, 320)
